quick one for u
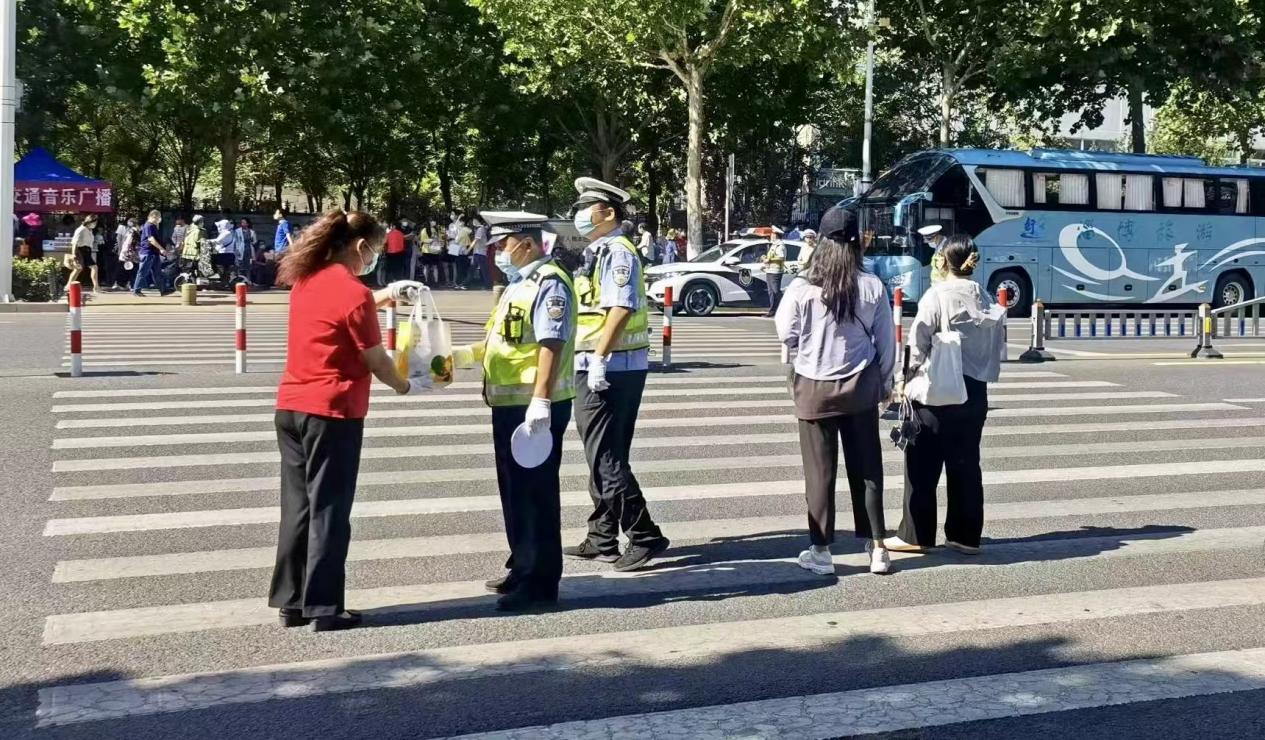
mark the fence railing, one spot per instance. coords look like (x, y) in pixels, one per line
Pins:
(1240, 320)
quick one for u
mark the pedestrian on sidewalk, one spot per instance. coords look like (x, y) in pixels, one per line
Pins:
(126, 242)
(150, 252)
(528, 361)
(950, 436)
(334, 343)
(225, 250)
(396, 254)
(82, 243)
(837, 325)
(613, 348)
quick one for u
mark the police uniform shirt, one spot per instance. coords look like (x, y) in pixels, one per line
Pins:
(621, 288)
(551, 313)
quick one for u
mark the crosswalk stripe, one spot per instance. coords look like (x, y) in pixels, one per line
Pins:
(389, 432)
(136, 566)
(671, 493)
(888, 709)
(478, 397)
(708, 643)
(650, 443)
(673, 575)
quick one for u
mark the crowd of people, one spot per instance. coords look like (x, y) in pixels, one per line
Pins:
(561, 343)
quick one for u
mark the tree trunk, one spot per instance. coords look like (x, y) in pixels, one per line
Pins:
(277, 187)
(1137, 116)
(948, 91)
(228, 170)
(445, 180)
(694, 163)
(1245, 146)
(653, 187)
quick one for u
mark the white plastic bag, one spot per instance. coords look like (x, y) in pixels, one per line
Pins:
(424, 346)
(938, 381)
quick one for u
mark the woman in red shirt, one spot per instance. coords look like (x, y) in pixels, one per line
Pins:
(334, 344)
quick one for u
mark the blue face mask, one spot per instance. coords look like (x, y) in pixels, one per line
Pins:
(369, 268)
(583, 221)
(504, 264)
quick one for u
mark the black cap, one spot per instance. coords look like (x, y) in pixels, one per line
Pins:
(839, 224)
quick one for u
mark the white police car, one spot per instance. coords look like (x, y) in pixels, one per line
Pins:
(727, 275)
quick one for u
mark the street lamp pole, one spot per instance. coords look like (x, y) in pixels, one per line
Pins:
(866, 174)
(729, 189)
(8, 114)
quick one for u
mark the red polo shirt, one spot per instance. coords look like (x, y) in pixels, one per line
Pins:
(395, 241)
(332, 320)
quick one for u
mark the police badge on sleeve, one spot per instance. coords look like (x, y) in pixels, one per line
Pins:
(621, 274)
(555, 306)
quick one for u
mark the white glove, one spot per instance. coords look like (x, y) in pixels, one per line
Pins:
(538, 415)
(597, 374)
(420, 384)
(406, 290)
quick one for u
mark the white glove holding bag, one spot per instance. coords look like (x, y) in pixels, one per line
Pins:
(538, 415)
(406, 290)
(597, 374)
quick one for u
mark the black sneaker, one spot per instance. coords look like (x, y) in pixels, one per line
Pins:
(292, 618)
(523, 599)
(636, 557)
(342, 621)
(588, 551)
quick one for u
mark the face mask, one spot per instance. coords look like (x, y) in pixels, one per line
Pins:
(369, 268)
(583, 222)
(504, 264)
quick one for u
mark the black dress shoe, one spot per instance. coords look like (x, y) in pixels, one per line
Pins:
(502, 585)
(333, 622)
(524, 599)
(292, 618)
(586, 550)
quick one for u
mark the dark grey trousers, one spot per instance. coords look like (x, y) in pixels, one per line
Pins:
(607, 422)
(320, 459)
(819, 442)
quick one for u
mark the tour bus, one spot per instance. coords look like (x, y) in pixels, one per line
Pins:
(1075, 227)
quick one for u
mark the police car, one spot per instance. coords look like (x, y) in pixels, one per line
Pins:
(727, 275)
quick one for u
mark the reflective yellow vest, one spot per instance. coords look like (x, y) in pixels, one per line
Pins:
(593, 319)
(509, 361)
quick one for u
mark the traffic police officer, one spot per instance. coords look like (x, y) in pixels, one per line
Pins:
(774, 268)
(613, 346)
(935, 239)
(528, 376)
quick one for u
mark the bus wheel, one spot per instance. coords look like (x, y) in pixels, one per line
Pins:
(699, 299)
(1232, 288)
(1018, 287)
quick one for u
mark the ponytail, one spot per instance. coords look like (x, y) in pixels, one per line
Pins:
(326, 241)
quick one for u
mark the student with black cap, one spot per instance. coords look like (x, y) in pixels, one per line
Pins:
(837, 325)
(529, 381)
(613, 348)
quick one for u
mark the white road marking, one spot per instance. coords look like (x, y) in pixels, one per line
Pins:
(241, 419)
(670, 493)
(852, 712)
(673, 575)
(214, 561)
(449, 430)
(1209, 363)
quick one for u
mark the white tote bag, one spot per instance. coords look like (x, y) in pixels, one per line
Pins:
(424, 346)
(938, 381)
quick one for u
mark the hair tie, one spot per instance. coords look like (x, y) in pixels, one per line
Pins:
(971, 261)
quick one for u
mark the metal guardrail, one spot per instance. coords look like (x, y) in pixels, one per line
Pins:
(1240, 320)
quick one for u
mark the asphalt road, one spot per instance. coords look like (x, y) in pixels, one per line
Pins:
(1121, 592)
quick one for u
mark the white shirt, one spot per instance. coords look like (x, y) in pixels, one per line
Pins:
(454, 247)
(973, 314)
(481, 240)
(82, 237)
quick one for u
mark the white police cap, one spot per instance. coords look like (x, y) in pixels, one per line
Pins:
(592, 190)
(931, 230)
(506, 223)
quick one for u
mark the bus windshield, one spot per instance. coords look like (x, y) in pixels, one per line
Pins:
(913, 174)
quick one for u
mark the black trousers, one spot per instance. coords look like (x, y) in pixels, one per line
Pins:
(396, 266)
(819, 442)
(320, 459)
(774, 281)
(949, 440)
(530, 502)
(607, 422)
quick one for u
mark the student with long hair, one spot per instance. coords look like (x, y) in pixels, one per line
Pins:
(837, 325)
(333, 346)
(950, 436)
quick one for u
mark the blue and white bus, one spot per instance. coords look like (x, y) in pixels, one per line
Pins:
(1075, 227)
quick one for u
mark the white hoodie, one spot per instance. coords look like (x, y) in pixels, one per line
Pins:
(224, 240)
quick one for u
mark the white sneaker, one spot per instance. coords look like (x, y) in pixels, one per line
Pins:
(880, 561)
(822, 565)
(896, 544)
(964, 549)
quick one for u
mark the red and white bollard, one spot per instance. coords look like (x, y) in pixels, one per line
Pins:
(1003, 299)
(76, 330)
(667, 326)
(391, 329)
(898, 314)
(241, 327)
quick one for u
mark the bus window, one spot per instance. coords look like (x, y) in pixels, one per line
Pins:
(1139, 193)
(1006, 186)
(1110, 191)
(1189, 193)
(1231, 196)
(1060, 189)
(954, 199)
